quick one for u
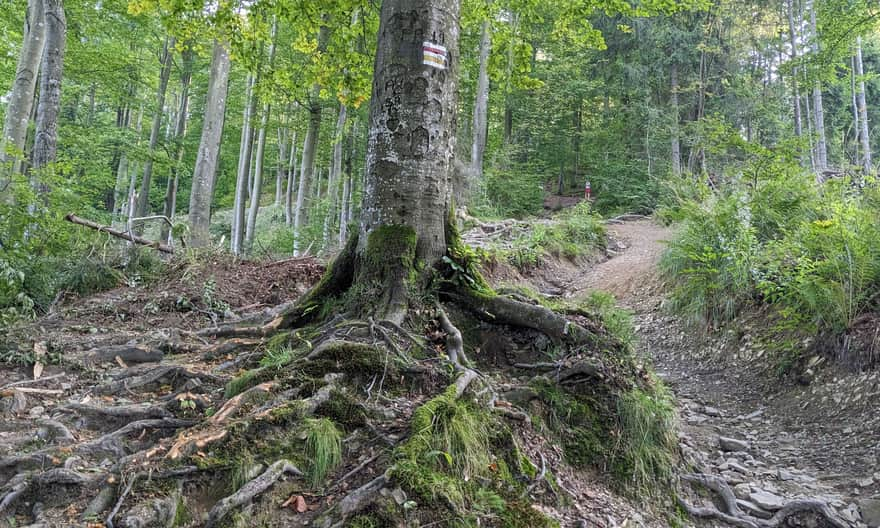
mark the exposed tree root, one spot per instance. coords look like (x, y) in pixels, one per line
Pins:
(250, 490)
(135, 379)
(125, 353)
(824, 516)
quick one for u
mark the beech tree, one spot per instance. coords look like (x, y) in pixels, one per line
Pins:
(18, 111)
(51, 74)
(202, 191)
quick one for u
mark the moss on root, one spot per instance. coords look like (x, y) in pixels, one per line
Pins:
(358, 360)
(457, 456)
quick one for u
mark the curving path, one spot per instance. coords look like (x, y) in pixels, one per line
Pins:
(788, 441)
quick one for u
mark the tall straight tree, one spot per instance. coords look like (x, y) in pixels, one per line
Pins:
(257, 184)
(310, 146)
(143, 203)
(187, 57)
(202, 190)
(867, 162)
(481, 103)
(818, 107)
(21, 98)
(51, 75)
(244, 166)
(674, 133)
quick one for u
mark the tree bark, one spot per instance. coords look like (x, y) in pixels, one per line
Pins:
(51, 74)
(279, 167)
(818, 111)
(335, 174)
(481, 104)
(251, 227)
(187, 57)
(202, 191)
(244, 165)
(291, 180)
(306, 171)
(344, 207)
(21, 98)
(867, 162)
(673, 101)
(143, 204)
(410, 147)
(798, 126)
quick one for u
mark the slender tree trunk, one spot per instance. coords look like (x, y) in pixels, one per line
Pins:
(291, 180)
(244, 165)
(306, 170)
(818, 111)
(21, 98)
(673, 100)
(345, 205)
(867, 162)
(202, 192)
(51, 74)
(309, 149)
(143, 205)
(798, 126)
(187, 57)
(335, 173)
(131, 203)
(813, 162)
(481, 104)
(855, 112)
(279, 167)
(406, 197)
(257, 180)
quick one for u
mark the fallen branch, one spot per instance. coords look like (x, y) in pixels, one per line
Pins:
(158, 246)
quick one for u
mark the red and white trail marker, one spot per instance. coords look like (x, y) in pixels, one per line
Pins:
(434, 55)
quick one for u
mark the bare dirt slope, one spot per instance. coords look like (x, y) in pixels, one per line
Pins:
(798, 441)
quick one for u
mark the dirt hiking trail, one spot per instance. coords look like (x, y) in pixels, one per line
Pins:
(770, 439)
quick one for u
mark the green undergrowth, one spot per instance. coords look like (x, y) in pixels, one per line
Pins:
(780, 243)
(626, 432)
(573, 233)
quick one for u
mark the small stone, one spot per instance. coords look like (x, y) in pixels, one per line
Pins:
(865, 482)
(766, 500)
(399, 496)
(784, 475)
(739, 468)
(753, 510)
(742, 491)
(851, 513)
(36, 412)
(711, 411)
(732, 444)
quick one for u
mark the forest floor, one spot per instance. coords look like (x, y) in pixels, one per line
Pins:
(796, 440)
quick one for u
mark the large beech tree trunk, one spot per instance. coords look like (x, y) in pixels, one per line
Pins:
(143, 204)
(21, 98)
(51, 73)
(409, 149)
(202, 192)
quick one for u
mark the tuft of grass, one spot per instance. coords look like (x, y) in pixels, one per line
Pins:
(617, 321)
(323, 447)
(644, 454)
(278, 357)
(242, 471)
(449, 446)
(242, 382)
